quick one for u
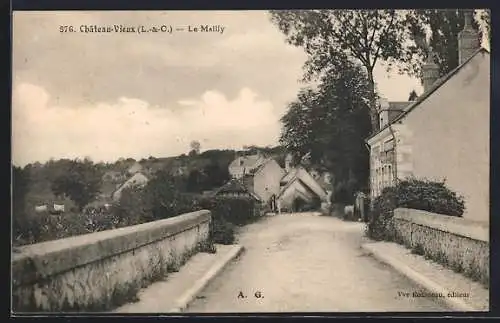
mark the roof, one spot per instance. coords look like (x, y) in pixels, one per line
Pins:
(234, 186)
(399, 105)
(431, 90)
(252, 161)
(120, 188)
(290, 175)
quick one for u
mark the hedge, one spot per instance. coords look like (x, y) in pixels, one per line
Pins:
(227, 214)
(419, 194)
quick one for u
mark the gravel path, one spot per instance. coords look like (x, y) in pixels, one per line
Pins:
(307, 263)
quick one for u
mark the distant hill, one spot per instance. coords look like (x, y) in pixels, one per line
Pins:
(42, 175)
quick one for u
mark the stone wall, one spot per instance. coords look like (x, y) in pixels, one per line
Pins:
(103, 270)
(458, 243)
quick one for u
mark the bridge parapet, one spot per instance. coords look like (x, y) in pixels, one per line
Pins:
(97, 271)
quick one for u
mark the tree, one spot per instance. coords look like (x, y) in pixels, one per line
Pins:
(413, 96)
(195, 182)
(81, 183)
(215, 175)
(332, 122)
(332, 35)
(195, 148)
(444, 26)
(20, 187)
(163, 197)
(486, 18)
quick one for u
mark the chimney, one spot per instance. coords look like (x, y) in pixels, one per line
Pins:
(468, 38)
(430, 71)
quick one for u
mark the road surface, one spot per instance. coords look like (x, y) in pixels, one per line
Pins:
(308, 263)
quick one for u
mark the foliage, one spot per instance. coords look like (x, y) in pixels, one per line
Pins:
(81, 183)
(419, 194)
(216, 175)
(133, 207)
(344, 191)
(486, 18)
(412, 96)
(330, 36)
(195, 181)
(20, 187)
(331, 124)
(227, 213)
(195, 146)
(163, 198)
(444, 25)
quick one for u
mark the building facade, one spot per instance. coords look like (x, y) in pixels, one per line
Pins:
(444, 134)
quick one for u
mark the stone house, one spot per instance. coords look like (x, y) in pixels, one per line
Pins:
(445, 133)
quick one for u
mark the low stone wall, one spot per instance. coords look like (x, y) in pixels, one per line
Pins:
(458, 243)
(102, 270)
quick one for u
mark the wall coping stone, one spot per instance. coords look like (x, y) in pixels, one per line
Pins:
(475, 230)
(35, 262)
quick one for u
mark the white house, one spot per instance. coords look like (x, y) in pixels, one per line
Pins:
(245, 165)
(137, 180)
(445, 133)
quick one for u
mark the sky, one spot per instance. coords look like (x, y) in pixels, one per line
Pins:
(112, 95)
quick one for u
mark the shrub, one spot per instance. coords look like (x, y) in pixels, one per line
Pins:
(222, 232)
(227, 213)
(343, 193)
(413, 193)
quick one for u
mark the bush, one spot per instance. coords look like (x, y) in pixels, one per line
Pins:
(343, 193)
(227, 213)
(222, 232)
(416, 194)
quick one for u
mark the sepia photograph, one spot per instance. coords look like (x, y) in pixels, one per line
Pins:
(250, 161)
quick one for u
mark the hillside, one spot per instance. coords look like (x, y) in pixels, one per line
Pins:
(188, 166)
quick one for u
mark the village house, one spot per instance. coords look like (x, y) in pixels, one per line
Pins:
(245, 165)
(137, 180)
(299, 187)
(264, 179)
(259, 174)
(444, 134)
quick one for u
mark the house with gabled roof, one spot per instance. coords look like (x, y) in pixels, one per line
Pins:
(445, 133)
(260, 174)
(244, 165)
(299, 187)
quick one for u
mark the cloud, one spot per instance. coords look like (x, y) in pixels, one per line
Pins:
(133, 128)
